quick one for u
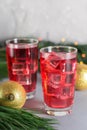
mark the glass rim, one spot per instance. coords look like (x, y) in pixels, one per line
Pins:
(58, 46)
(21, 40)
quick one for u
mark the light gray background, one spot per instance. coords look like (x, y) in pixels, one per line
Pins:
(48, 19)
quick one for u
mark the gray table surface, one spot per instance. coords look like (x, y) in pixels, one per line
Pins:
(77, 120)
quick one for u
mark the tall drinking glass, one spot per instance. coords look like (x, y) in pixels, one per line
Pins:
(22, 60)
(58, 72)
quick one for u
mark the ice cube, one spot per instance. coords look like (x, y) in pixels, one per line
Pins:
(54, 60)
(24, 79)
(46, 55)
(69, 78)
(18, 68)
(66, 66)
(20, 53)
(48, 67)
(66, 91)
(33, 66)
(54, 63)
(51, 84)
(53, 89)
(54, 78)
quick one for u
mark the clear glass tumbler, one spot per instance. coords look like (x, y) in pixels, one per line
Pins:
(22, 61)
(58, 72)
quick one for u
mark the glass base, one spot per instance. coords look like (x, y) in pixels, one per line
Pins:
(30, 95)
(58, 112)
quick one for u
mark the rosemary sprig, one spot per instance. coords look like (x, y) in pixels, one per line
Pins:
(20, 119)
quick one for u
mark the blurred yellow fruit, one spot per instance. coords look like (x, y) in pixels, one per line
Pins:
(81, 78)
(12, 94)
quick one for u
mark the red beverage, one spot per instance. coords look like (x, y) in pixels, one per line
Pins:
(22, 64)
(58, 78)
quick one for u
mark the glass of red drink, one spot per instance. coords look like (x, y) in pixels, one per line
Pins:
(58, 73)
(22, 61)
